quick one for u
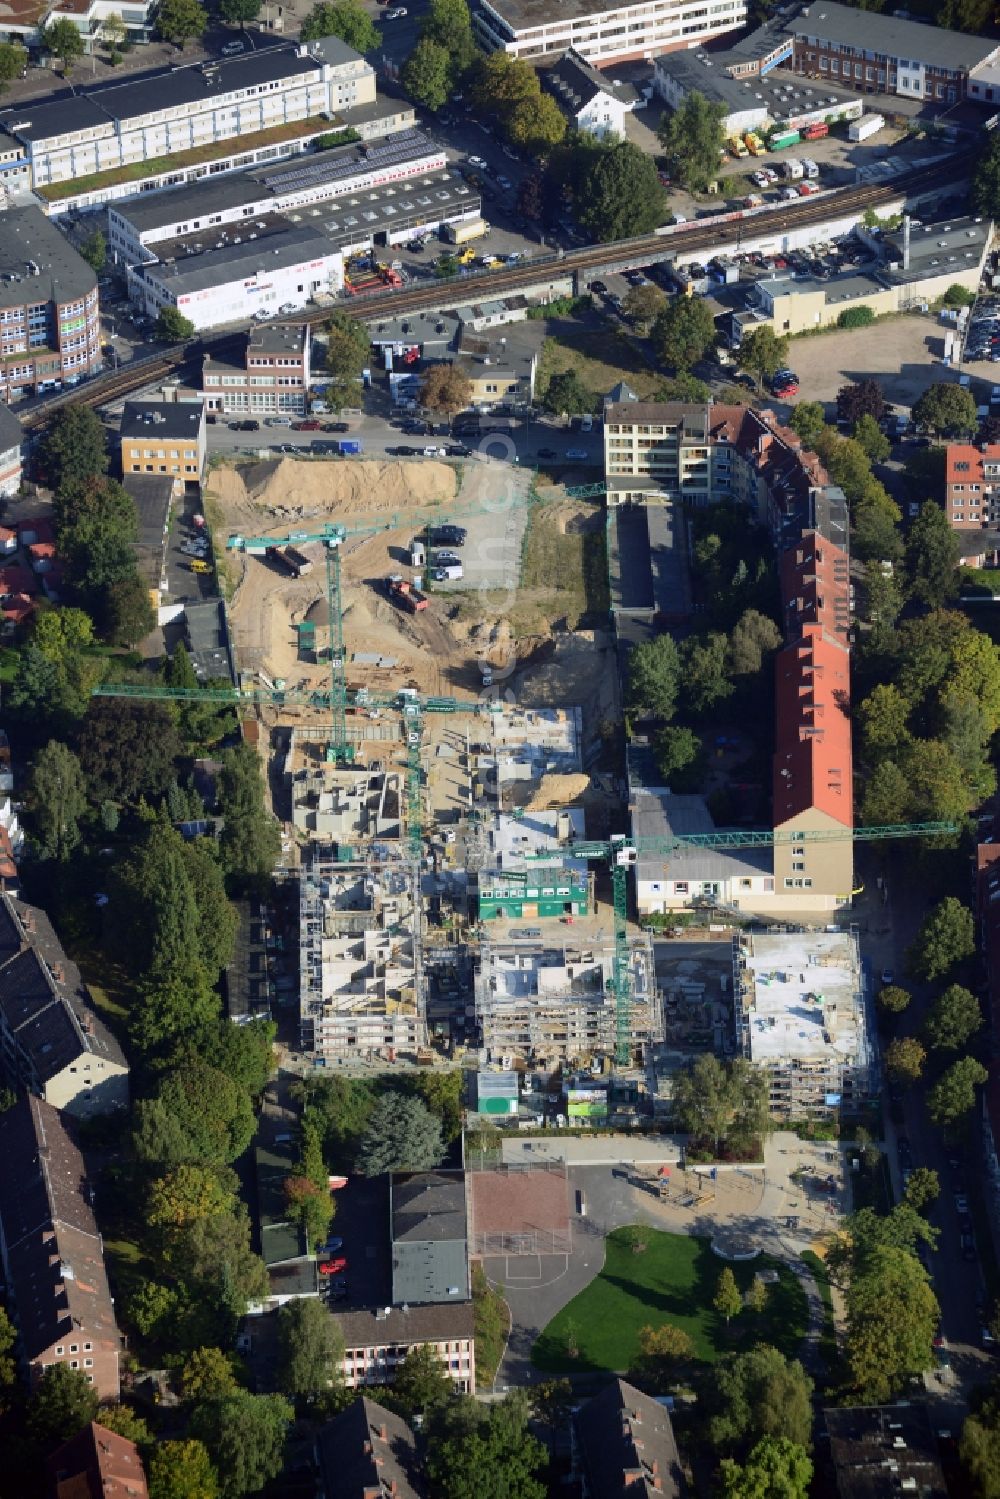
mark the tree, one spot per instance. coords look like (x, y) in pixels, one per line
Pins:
(251, 840)
(175, 1007)
(449, 24)
(762, 353)
(923, 1189)
(945, 938)
(427, 74)
(948, 409)
(187, 1194)
(727, 1300)
(536, 124)
(346, 19)
(61, 1404)
(623, 197)
(239, 12)
(677, 750)
(933, 553)
(775, 1469)
(808, 420)
(894, 999)
(63, 40)
(114, 32)
(683, 333)
(172, 327)
(954, 1093)
(683, 387)
(980, 1448)
(422, 1382)
(207, 1375)
(760, 1394)
(502, 82)
(530, 197)
(446, 388)
(181, 21)
(485, 1453)
(643, 305)
(128, 616)
(985, 185)
(757, 1296)
(310, 1348)
(217, 918)
(892, 1317)
(75, 447)
(859, 399)
(721, 1101)
(95, 251)
(703, 672)
(245, 1437)
(211, 1117)
(654, 670)
(566, 395)
(904, 1059)
(402, 1135)
(754, 638)
(869, 435)
(692, 138)
(182, 1470)
(347, 354)
(154, 901)
(953, 1019)
(13, 62)
(58, 797)
(663, 1353)
(8, 1336)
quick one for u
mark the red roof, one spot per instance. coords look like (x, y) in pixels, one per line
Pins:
(17, 579)
(812, 761)
(17, 607)
(98, 1464)
(816, 586)
(971, 457)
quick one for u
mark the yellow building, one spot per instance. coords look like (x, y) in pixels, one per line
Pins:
(164, 437)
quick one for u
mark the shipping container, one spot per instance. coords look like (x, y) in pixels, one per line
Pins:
(781, 140)
(860, 130)
(816, 131)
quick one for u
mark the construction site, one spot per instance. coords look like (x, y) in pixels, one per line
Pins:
(802, 1014)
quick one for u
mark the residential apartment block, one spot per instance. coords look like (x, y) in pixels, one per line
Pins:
(888, 54)
(52, 1041)
(552, 1003)
(802, 1014)
(50, 333)
(602, 33)
(51, 1251)
(192, 107)
(271, 379)
(97, 1464)
(624, 1446)
(588, 99)
(164, 437)
(368, 1452)
(972, 485)
(11, 451)
(376, 1342)
(361, 987)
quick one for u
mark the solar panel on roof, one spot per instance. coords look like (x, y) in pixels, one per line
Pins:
(403, 145)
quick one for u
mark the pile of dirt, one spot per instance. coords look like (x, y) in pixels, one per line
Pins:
(556, 791)
(284, 489)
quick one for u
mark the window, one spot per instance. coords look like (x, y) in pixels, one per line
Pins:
(88, 1363)
(680, 887)
(60, 1351)
(74, 1348)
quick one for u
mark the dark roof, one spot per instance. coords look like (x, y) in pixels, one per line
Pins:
(330, 49)
(278, 338)
(628, 1447)
(173, 87)
(287, 247)
(148, 211)
(693, 418)
(42, 996)
(428, 1205)
(875, 1449)
(205, 624)
(418, 1324)
(430, 1259)
(40, 119)
(892, 35)
(97, 1464)
(11, 434)
(54, 1254)
(167, 421)
(282, 1240)
(366, 1450)
(38, 263)
(574, 83)
(152, 494)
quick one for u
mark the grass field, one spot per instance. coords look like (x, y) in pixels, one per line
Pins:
(563, 572)
(674, 1280)
(600, 354)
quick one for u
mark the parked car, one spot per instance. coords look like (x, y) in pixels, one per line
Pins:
(449, 535)
(600, 288)
(457, 450)
(578, 455)
(309, 425)
(332, 1267)
(547, 453)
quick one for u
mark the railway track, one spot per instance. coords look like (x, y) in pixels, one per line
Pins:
(495, 283)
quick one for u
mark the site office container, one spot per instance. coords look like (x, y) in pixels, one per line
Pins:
(784, 139)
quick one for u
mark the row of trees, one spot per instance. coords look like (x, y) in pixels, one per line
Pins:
(400, 1124)
(444, 54)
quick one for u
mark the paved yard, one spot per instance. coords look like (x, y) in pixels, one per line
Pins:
(491, 556)
(901, 353)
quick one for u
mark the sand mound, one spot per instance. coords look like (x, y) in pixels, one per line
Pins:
(555, 791)
(289, 488)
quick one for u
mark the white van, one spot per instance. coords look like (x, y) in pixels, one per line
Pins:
(587, 423)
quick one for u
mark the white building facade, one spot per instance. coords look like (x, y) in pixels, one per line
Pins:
(603, 34)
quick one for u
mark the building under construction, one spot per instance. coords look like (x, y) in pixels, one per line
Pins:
(802, 1013)
(550, 1003)
(360, 985)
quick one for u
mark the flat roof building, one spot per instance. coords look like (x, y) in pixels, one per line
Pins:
(271, 379)
(361, 986)
(377, 1342)
(50, 332)
(165, 438)
(876, 1449)
(802, 1014)
(430, 1251)
(601, 31)
(754, 100)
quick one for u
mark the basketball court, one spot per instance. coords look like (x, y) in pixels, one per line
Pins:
(519, 1224)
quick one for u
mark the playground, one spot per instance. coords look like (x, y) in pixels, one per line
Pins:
(673, 1278)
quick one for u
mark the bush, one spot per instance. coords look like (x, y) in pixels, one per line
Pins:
(345, 137)
(856, 317)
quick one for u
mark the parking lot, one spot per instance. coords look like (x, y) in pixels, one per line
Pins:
(498, 492)
(901, 353)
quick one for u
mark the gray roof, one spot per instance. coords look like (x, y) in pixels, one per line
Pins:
(331, 50)
(661, 814)
(892, 36)
(369, 1450)
(779, 93)
(430, 1260)
(205, 623)
(57, 1283)
(42, 996)
(152, 494)
(11, 432)
(278, 338)
(882, 1448)
(627, 1443)
(28, 238)
(406, 1328)
(574, 83)
(169, 421)
(957, 245)
(347, 161)
(287, 247)
(148, 211)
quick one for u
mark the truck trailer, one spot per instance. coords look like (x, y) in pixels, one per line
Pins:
(860, 130)
(461, 233)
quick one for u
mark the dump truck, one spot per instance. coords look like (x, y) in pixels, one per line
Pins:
(405, 594)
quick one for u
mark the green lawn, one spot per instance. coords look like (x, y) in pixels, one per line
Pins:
(600, 353)
(674, 1280)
